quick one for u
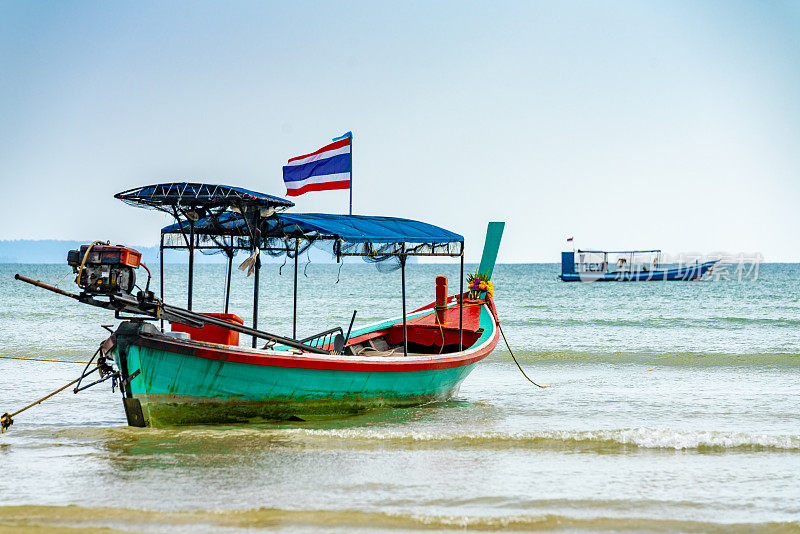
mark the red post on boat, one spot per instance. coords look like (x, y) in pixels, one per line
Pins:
(441, 298)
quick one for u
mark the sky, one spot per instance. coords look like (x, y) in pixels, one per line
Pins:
(672, 125)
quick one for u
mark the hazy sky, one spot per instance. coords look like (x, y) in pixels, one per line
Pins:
(672, 125)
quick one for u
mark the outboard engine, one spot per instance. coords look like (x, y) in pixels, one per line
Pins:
(105, 269)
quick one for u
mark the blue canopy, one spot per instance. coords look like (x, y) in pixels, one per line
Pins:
(366, 228)
(343, 235)
(347, 228)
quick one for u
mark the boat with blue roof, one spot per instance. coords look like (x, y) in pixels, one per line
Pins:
(626, 266)
(180, 366)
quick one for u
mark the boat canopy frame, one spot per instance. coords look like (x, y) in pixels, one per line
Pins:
(622, 262)
(217, 218)
(193, 195)
(189, 202)
(374, 238)
(658, 250)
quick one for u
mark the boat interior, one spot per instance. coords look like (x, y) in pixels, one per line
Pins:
(436, 332)
(422, 339)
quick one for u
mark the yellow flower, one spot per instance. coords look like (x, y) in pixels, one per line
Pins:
(490, 290)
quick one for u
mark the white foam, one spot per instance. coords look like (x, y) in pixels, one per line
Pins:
(649, 438)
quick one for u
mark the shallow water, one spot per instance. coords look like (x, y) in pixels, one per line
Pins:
(669, 406)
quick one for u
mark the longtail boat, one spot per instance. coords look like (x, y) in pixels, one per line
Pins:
(177, 366)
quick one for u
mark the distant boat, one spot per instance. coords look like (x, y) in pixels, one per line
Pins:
(625, 266)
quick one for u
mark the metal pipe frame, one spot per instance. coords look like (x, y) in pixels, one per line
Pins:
(191, 264)
(228, 282)
(161, 274)
(255, 297)
(403, 283)
(338, 253)
(342, 254)
(294, 310)
(461, 305)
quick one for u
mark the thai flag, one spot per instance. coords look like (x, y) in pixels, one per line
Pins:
(327, 169)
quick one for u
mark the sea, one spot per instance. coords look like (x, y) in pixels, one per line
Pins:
(667, 407)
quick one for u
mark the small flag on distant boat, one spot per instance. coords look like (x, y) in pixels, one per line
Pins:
(326, 169)
(570, 239)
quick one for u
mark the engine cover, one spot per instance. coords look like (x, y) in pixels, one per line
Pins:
(106, 269)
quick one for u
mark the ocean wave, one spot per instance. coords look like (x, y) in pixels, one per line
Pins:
(777, 359)
(36, 518)
(20, 353)
(658, 323)
(757, 321)
(600, 441)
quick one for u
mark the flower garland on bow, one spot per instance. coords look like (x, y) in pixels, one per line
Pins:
(480, 282)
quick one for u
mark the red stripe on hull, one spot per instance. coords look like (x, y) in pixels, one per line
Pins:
(318, 363)
(325, 186)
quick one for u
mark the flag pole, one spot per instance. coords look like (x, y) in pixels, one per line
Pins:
(351, 174)
(345, 136)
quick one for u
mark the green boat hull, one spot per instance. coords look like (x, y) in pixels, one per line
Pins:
(174, 389)
(185, 382)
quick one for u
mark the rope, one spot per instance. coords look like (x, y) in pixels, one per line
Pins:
(62, 279)
(6, 419)
(38, 359)
(339, 274)
(515, 359)
(439, 324)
